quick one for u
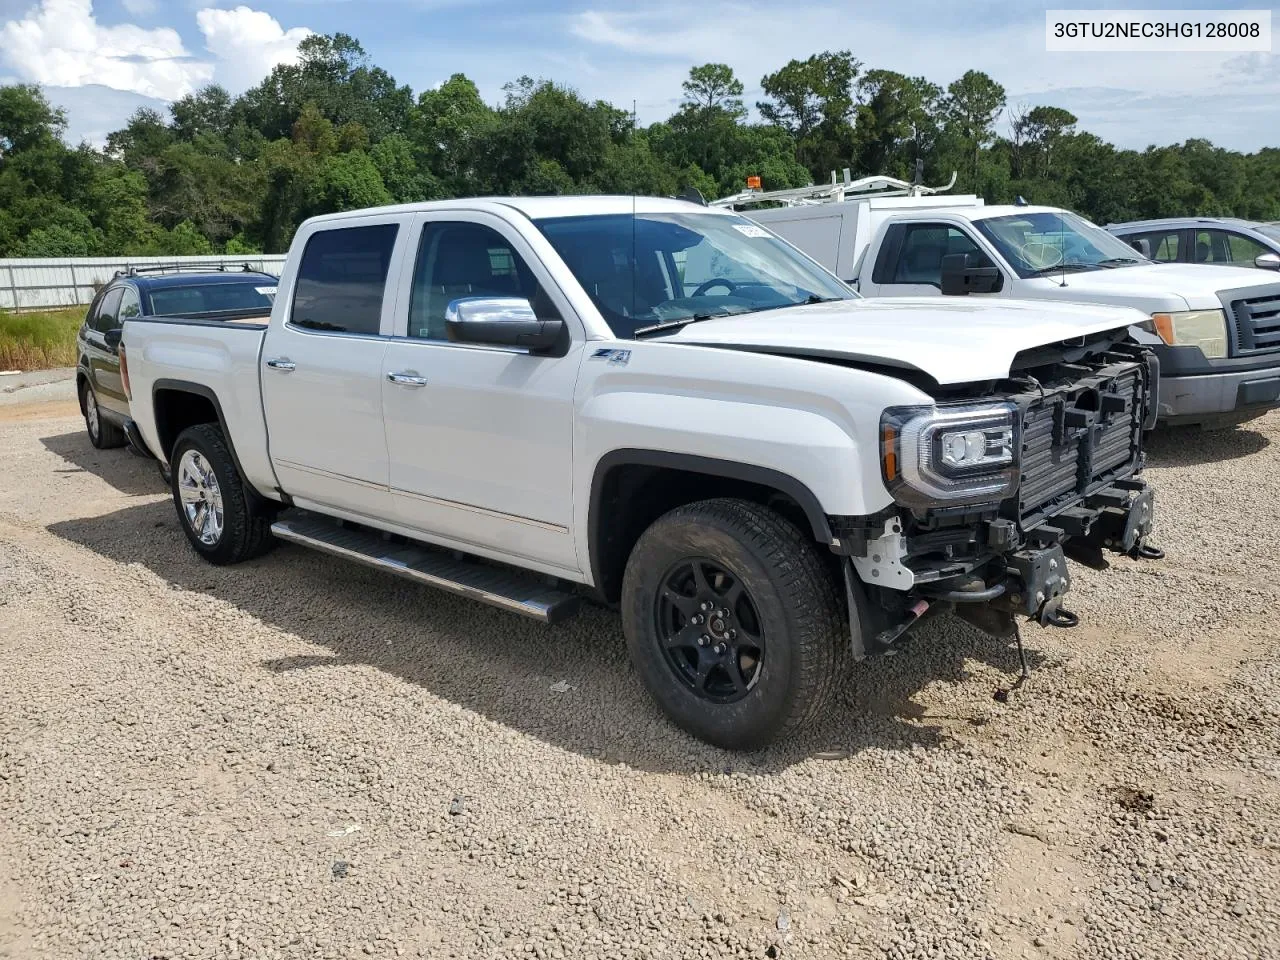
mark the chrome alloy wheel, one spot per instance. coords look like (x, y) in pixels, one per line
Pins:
(201, 497)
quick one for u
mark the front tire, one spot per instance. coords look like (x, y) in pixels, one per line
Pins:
(103, 434)
(224, 520)
(732, 622)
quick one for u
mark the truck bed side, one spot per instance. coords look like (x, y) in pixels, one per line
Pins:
(184, 371)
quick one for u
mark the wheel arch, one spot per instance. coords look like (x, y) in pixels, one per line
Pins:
(179, 404)
(656, 481)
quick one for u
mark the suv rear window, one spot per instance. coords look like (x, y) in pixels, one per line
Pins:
(213, 297)
(342, 277)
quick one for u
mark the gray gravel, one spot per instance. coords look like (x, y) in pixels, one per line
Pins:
(301, 758)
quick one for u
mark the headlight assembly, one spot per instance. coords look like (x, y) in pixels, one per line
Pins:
(933, 456)
(1206, 329)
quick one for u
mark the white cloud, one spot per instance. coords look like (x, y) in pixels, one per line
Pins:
(247, 43)
(60, 43)
(140, 8)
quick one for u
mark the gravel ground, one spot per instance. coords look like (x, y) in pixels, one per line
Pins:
(301, 758)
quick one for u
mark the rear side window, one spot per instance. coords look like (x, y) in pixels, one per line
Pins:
(1163, 243)
(342, 278)
(108, 311)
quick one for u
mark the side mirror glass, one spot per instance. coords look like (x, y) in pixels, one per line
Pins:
(113, 338)
(960, 279)
(1267, 261)
(501, 321)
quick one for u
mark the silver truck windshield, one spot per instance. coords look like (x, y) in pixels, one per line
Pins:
(1037, 244)
(655, 269)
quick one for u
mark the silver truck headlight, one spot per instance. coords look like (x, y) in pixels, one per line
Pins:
(941, 455)
(1206, 329)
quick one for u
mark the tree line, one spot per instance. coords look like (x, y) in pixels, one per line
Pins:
(335, 132)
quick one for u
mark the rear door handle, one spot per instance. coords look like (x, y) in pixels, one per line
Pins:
(282, 363)
(407, 379)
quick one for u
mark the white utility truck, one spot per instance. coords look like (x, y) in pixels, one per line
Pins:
(1219, 327)
(525, 401)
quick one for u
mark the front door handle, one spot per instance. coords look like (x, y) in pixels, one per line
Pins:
(282, 363)
(407, 379)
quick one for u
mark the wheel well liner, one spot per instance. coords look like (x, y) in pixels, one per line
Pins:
(178, 404)
(650, 478)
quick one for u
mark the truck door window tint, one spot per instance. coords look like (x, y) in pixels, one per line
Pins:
(458, 259)
(342, 277)
(923, 248)
(109, 311)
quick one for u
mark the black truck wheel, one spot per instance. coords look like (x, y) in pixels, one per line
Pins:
(732, 621)
(225, 521)
(103, 434)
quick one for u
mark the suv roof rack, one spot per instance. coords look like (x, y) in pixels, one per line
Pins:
(837, 191)
(133, 271)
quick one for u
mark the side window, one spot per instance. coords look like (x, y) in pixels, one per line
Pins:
(1219, 246)
(455, 260)
(130, 305)
(108, 311)
(924, 246)
(1244, 250)
(1164, 244)
(342, 277)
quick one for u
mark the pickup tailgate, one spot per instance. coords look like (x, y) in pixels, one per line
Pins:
(188, 370)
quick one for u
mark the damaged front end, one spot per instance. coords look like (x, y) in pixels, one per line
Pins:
(995, 488)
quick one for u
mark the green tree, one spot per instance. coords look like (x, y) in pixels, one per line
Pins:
(971, 107)
(813, 101)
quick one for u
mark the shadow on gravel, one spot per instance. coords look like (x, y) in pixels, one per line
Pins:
(503, 667)
(1191, 446)
(130, 474)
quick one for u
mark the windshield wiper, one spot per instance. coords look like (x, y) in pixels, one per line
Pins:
(1117, 261)
(668, 325)
(814, 298)
(1060, 267)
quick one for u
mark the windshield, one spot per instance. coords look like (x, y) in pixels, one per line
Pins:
(1270, 230)
(1036, 244)
(659, 268)
(213, 297)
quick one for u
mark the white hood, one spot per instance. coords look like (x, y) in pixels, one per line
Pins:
(953, 340)
(1153, 287)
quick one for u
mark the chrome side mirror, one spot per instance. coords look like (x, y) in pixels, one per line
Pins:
(1267, 261)
(501, 321)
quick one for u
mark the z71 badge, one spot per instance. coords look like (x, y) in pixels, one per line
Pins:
(622, 357)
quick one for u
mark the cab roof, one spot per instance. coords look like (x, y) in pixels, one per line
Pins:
(538, 208)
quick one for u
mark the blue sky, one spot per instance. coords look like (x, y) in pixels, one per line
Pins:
(100, 60)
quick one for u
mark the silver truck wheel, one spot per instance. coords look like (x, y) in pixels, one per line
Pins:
(201, 497)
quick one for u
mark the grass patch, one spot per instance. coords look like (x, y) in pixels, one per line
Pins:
(37, 341)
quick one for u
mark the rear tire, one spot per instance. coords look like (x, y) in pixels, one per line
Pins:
(103, 434)
(763, 659)
(224, 520)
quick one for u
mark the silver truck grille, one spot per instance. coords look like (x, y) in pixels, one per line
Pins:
(1257, 321)
(1077, 440)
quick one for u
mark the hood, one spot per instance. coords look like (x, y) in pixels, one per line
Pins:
(953, 340)
(1154, 286)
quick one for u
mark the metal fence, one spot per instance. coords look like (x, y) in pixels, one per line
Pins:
(69, 281)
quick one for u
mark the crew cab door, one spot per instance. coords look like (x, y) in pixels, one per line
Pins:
(321, 364)
(479, 437)
(909, 261)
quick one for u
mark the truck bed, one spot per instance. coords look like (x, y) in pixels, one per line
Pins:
(217, 359)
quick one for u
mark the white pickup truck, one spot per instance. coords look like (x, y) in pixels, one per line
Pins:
(527, 401)
(1220, 326)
